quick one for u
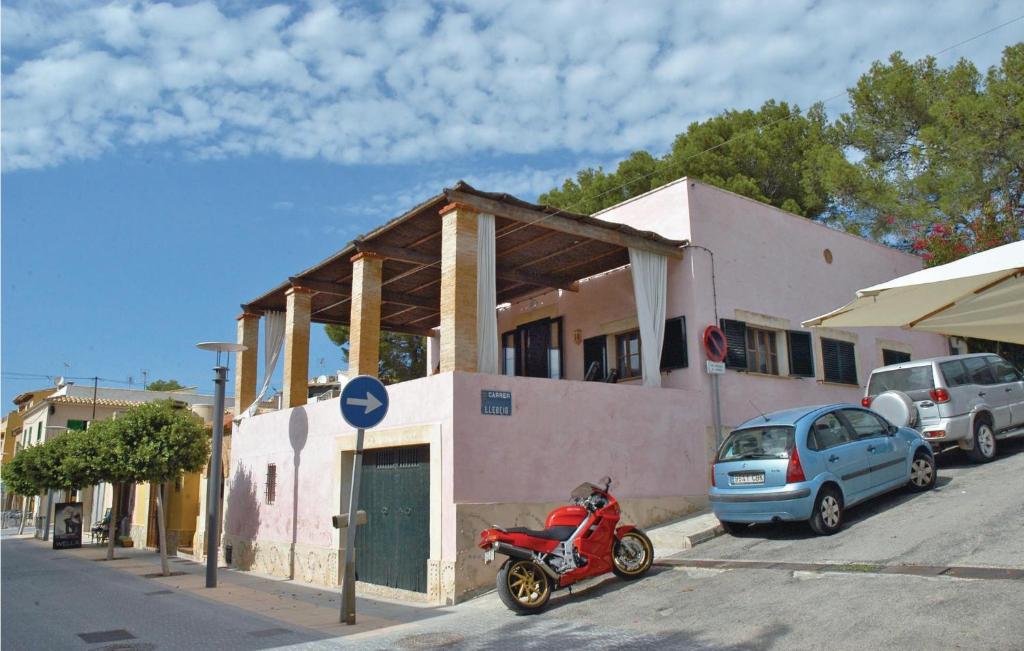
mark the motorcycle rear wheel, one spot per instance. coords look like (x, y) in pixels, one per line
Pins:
(523, 586)
(632, 555)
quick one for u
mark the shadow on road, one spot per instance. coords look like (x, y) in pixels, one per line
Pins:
(957, 458)
(954, 459)
(583, 636)
(853, 516)
(607, 585)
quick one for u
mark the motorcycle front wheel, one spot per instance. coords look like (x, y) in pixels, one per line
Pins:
(632, 555)
(523, 586)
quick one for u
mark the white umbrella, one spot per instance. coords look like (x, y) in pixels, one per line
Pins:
(980, 296)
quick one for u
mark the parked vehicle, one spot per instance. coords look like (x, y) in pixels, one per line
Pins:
(578, 542)
(812, 464)
(971, 400)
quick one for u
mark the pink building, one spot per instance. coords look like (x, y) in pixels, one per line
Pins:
(516, 409)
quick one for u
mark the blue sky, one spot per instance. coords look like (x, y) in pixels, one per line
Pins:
(163, 163)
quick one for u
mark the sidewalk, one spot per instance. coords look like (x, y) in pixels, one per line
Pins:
(299, 605)
(292, 603)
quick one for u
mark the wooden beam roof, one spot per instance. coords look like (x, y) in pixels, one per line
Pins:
(562, 222)
(539, 248)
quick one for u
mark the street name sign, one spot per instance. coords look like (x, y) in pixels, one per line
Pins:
(495, 403)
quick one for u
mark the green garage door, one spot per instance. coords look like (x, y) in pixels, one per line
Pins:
(393, 547)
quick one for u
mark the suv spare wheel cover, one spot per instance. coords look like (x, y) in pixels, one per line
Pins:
(896, 407)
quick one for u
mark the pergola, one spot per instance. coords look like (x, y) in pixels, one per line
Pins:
(418, 272)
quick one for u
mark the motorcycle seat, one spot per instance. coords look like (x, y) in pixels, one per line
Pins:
(551, 533)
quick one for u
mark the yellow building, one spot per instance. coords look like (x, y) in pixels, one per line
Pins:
(11, 429)
(48, 413)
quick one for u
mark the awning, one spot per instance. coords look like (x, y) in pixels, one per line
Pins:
(538, 248)
(978, 296)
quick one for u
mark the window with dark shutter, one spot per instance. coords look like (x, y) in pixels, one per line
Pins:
(839, 360)
(801, 356)
(736, 336)
(894, 357)
(673, 350)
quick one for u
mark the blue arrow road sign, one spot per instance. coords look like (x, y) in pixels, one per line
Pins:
(364, 402)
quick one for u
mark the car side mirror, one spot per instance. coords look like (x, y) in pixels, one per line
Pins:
(892, 430)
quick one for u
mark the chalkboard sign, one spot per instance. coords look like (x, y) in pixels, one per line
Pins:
(496, 403)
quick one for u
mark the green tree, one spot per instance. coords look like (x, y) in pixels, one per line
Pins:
(939, 155)
(22, 476)
(776, 155)
(164, 385)
(155, 442)
(402, 357)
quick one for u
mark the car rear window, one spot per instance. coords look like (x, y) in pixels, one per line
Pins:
(915, 381)
(770, 442)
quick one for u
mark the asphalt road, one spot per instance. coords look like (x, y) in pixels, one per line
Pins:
(974, 518)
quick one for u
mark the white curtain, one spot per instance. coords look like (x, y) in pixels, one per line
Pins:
(650, 289)
(486, 298)
(433, 354)
(273, 335)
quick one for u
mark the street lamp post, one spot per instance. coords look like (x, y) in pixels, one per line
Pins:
(213, 476)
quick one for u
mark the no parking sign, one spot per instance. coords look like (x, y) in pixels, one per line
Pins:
(715, 344)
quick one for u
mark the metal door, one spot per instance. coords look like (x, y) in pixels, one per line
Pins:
(392, 548)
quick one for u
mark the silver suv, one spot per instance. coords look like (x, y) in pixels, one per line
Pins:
(970, 400)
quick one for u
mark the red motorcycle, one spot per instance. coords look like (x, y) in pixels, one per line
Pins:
(577, 542)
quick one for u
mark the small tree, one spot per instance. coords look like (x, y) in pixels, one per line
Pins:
(23, 477)
(164, 385)
(155, 442)
(109, 456)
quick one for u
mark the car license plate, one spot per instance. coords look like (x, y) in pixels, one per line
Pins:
(489, 555)
(749, 478)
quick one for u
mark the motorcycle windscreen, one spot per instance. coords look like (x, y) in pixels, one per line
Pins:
(583, 491)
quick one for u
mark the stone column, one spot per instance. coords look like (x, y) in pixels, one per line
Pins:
(458, 288)
(246, 361)
(364, 325)
(296, 347)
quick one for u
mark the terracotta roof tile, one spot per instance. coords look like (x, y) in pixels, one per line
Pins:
(100, 402)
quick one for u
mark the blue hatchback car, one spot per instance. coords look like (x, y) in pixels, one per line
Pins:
(812, 463)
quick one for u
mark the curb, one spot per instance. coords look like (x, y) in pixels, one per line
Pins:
(685, 534)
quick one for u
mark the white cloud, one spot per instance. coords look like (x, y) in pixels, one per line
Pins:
(416, 83)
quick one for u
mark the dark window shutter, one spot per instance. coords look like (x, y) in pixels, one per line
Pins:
(894, 357)
(673, 350)
(801, 355)
(839, 360)
(736, 336)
